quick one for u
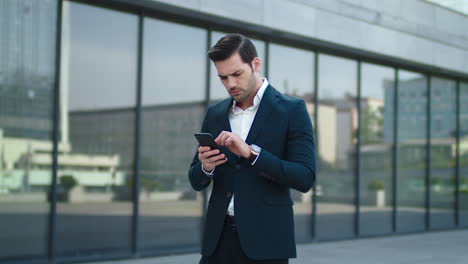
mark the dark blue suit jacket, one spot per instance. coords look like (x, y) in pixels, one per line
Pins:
(263, 205)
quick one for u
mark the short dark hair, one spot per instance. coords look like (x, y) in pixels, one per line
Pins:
(229, 45)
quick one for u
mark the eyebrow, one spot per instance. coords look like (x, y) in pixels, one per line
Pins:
(234, 73)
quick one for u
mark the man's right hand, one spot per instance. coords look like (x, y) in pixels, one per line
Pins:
(210, 158)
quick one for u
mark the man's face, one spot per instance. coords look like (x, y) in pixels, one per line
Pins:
(238, 77)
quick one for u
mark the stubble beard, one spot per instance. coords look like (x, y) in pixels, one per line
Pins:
(251, 85)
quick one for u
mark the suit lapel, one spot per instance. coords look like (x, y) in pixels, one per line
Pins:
(269, 99)
(223, 117)
(222, 124)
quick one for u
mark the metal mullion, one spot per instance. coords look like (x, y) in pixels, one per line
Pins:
(52, 241)
(314, 187)
(267, 59)
(357, 161)
(428, 153)
(395, 152)
(205, 105)
(208, 69)
(138, 134)
(457, 159)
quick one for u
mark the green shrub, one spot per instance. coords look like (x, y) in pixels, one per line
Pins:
(436, 180)
(67, 181)
(376, 185)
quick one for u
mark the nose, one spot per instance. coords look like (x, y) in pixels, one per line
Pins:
(231, 82)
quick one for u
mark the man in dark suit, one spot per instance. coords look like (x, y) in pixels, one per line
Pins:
(266, 147)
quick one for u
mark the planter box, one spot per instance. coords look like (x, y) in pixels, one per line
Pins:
(377, 198)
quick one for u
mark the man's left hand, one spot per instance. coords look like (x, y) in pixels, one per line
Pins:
(234, 143)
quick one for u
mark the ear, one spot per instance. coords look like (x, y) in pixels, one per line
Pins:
(256, 64)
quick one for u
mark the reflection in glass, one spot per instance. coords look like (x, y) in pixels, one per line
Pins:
(97, 131)
(27, 74)
(377, 115)
(292, 72)
(411, 151)
(217, 90)
(463, 165)
(443, 154)
(336, 142)
(173, 110)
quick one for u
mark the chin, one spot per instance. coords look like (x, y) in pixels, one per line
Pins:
(239, 100)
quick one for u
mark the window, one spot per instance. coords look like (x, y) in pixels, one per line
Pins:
(288, 77)
(173, 110)
(27, 90)
(336, 147)
(411, 156)
(442, 162)
(463, 206)
(99, 99)
(377, 92)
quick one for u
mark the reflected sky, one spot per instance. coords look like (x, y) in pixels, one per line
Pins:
(406, 75)
(337, 77)
(174, 59)
(291, 70)
(102, 57)
(373, 80)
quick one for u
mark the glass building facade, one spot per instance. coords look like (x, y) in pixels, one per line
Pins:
(99, 103)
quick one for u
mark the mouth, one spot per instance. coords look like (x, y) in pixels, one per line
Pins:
(236, 92)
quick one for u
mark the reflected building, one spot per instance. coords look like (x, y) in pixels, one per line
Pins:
(413, 115)
(26, 108)
(412, 98)
(26, 164)
(26, 70)
(94, 132)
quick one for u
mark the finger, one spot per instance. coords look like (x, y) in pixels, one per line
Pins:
(217, 157)
(219, 162)
(220, 139)
(202, 149)
(210, 153)
(225, 138)
(205, 155)
(228, 141)
(213, 159)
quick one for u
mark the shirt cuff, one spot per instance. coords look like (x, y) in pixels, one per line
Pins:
(209, 174)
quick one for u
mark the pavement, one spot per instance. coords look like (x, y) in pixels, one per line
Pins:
(429, 248)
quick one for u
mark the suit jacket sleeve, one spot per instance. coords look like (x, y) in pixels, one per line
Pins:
(297, 170)
(198, 179)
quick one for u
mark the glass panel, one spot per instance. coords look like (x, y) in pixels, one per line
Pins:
(377, 116)
(27, 83)
(217, 90)
(336, 143)
(411, 151)
(287, 77)
(463, 108)
(97, 131)
(443, 152)
(173, 109)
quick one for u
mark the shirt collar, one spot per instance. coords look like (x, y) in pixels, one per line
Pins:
(256, 102)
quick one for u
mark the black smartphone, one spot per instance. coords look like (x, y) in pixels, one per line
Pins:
(206, 139)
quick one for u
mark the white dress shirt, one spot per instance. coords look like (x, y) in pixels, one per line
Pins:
(241, 121)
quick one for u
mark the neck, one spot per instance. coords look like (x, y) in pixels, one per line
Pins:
(249, 101)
